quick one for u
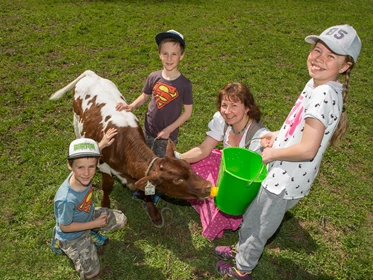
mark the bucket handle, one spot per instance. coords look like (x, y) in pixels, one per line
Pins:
(256, 177)
(247, 144)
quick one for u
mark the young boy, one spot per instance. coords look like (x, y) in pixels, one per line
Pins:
(77, 220)
(169, 90)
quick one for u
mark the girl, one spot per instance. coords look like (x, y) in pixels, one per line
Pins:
(237, 124)
(294, 152)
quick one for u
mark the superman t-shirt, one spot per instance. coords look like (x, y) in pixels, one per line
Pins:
(165, 106)
(72, 206)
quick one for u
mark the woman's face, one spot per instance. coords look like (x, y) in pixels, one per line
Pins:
(232, 111)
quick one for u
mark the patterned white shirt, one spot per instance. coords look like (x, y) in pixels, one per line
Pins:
(323, 103)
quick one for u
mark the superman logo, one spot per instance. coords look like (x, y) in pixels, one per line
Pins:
(87, 202)
(164, 94)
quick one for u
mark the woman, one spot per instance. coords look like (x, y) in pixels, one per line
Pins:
(236, 124)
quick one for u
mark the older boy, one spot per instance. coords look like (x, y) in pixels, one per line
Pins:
(169, 90)
(74, 209)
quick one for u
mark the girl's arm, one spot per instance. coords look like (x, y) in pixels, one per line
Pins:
(202, 151)
(306, 149)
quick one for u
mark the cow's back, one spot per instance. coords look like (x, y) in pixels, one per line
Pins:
(95, 99)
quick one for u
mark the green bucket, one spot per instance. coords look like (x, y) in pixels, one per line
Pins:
(240, 176)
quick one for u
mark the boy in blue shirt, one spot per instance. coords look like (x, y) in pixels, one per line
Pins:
(77, 220)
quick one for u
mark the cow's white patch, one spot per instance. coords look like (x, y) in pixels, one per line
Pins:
(105, 92)
(105, 168)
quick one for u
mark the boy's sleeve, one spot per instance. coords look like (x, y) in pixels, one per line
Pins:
(188, 96)
(64, 212)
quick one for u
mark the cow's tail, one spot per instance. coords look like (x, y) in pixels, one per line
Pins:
(58, 94)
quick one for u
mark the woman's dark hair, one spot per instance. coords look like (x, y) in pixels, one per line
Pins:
(239, 92)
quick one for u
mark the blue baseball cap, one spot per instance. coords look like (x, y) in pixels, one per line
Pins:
(173, 34)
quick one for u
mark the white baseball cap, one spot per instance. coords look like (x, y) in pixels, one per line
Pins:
(341, 39)
(170, 34)
(83, 147)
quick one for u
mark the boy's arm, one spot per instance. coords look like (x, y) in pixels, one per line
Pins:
(108, 139)
(100, 222)
(135, 104)
(165, 133)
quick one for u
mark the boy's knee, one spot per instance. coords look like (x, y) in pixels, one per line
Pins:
(92, 275)
(123, 224)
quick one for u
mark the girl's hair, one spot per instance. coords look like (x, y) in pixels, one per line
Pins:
(343, 122)
(239, 92)
(171, 40)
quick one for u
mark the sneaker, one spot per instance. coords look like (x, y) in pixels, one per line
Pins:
(137, 195)
(99, 239)
(55, 244)
(225, 252)
(227, 269)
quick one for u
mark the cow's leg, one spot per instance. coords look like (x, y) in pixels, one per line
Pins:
(153, 212)
(107, 187)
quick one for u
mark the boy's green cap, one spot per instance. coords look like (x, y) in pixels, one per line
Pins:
(83, 147)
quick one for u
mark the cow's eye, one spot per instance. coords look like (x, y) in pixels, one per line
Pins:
(178, 180)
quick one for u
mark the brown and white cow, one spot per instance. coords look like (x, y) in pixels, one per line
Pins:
(128, 158)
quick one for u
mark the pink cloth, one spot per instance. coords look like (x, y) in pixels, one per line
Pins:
(213, 221)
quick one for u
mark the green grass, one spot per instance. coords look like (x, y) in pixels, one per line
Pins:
(46, 44)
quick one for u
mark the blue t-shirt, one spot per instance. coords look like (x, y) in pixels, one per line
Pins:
(72, 206)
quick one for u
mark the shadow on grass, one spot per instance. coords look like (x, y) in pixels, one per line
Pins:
(291, 236)
(141, 251)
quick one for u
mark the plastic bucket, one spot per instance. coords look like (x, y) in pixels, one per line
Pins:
(240, 176)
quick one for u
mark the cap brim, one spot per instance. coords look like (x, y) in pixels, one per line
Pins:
(83, 155)
(166, 35)
(312, 39)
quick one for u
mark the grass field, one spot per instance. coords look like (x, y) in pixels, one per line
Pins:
(46, 44)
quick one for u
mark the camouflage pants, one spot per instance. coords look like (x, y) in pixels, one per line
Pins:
(82, 251)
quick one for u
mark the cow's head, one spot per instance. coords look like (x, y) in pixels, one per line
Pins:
(175, 177)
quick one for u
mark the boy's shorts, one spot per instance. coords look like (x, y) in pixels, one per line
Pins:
(82, 251)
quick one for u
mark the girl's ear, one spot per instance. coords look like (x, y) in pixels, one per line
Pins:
(345, 67)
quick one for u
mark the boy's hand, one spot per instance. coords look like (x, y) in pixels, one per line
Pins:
(124, 106)
(163, 134)
(108, 139)
(102, 221)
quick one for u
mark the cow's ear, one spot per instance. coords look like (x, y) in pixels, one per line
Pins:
(140, 184)
(170, 149)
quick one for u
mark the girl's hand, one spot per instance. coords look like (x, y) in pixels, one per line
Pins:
(267, 155)
(267, 139)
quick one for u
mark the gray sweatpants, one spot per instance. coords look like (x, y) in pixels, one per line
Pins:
(260, 221)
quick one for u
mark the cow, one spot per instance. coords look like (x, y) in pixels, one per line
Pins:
(129, 158)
